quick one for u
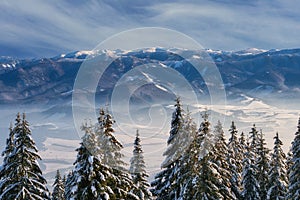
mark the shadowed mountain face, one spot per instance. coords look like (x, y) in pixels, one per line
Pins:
(253, 72)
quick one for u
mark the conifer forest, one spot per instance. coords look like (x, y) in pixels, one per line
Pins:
(149, 100)
(200, 162)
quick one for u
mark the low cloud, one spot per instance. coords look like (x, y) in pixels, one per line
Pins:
(48, 126)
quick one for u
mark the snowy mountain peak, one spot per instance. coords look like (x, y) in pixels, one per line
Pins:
(251, 51)
(77, 54)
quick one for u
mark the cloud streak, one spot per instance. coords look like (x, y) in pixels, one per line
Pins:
(35, 28)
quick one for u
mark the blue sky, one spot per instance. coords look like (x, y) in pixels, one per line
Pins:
(38, 28)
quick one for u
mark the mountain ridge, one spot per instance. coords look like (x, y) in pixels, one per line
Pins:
(252, 71)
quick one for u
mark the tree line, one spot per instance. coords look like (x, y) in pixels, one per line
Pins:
(200, 163)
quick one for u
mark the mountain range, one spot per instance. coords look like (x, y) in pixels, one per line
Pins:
(253, 72)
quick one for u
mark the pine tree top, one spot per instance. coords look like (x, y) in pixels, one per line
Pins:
(101, 115)
(57, 178)
(137, 144)
(277, 140)
(177, 120)
(205, 124)
(137, 138)
(205, 115)
(233, 131)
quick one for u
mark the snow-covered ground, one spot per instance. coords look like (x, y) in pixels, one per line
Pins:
(57, 138)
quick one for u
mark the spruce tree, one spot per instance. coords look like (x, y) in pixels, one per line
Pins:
(278, 181)
(100, 151)
(111, 155)
(289, 159)
(90, 138)
(64, 181)
(24, 178)
(219, 152)
(138, 171)
(189, 128)
(243, 143)
(177, 121)
(4, 178)
(181, 141)
(70, 185)
(165, 183)
(294, 172)
(235, 160)
(109, 146)
(188, 171)
(262, 164)
(9, 143)
(249, 181)
(207, 181)
(254, 141)
(190, 166)
(244, 146)
(289, 163)
(183, 168)
(90, 179)
(199, 177)
(58, 188)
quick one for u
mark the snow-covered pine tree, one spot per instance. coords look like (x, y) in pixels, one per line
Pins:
(180, 141)
(235, 160)
(9, 143)
(277, 186)
(123, 185)
(64, 180)
(289, 159)
(294, 172)
(90, 179)
(109, 151)
(206, 178)
(253, 136)
(205, 137)
(184, 169)
(110, 147)
(249, 182)
(244, 146)
(188, 171)
(262, 164)
(189, 129)
(138, 171)
(4, 178)
(177, 121)
(58, 188)
(219, 157)
(289, 163)
(70, 185)
(99, 133)
(165, 185)
(90, 138)
(242, 142)
(24, 176)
